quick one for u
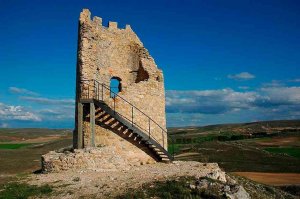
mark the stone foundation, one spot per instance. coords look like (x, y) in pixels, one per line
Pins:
(101, 158)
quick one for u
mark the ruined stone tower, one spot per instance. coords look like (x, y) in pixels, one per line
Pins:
(129, 115)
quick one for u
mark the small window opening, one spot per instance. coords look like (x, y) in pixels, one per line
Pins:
(115, 86)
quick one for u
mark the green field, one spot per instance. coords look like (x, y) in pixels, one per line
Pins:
(291, 151)
(19, 158)
(242, 147)
(13, 146)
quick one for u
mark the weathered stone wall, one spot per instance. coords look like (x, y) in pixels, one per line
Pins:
(107, 157)
(110, 52)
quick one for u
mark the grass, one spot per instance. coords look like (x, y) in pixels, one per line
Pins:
(14, 146)
(22, 190)
(174, 148)
(172, 189)
(291, 151)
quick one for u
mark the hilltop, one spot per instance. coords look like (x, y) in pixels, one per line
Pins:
(238, 131)
(242, 128)
(266, 152)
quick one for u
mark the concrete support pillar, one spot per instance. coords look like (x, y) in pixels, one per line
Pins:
(79, 126)
(92, 123)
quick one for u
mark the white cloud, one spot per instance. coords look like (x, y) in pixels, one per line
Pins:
(208, 101)
(228, 105)
(295, 80)
(41, 100)
(242, 76)
(22, 91)
(46, 111)
(17, 113)
(59, 113)
(276, 96)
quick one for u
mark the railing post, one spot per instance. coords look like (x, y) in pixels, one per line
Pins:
(149, 128)
(114, 105)
(94, 89)
(131, 115)
(163, 138)
(98, 98)
(92, 124)
(81, 90)
(88, 94)
(102, 92)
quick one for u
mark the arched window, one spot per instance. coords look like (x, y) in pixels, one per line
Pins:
(115, 86)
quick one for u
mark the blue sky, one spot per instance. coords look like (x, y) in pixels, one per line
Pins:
(223, 61)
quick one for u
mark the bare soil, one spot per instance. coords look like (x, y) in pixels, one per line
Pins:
(275, 179)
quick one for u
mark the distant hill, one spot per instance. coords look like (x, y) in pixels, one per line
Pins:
(18, 134)
(275, 126)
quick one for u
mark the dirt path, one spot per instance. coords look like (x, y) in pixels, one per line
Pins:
(275, 179)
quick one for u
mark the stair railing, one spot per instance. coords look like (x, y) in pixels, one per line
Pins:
(92, 89)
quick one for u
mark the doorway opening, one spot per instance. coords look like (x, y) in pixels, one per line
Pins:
(115, 86)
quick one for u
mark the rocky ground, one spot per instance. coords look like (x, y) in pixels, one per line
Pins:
(109, 183)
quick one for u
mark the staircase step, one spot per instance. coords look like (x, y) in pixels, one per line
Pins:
(98, 112)
(115, 125)
(111, 122)
(101, 119)
(166, 160)
(101, 115)
(130, 134)
(107, 116)
(152, 146)
(119, 126)
(126, 131)
(157, 150)
(163, 156)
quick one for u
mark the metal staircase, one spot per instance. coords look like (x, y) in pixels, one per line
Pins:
(98, 95)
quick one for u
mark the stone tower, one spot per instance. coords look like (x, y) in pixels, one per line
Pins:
(129, 116)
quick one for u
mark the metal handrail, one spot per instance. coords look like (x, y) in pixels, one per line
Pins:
(95, 95)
